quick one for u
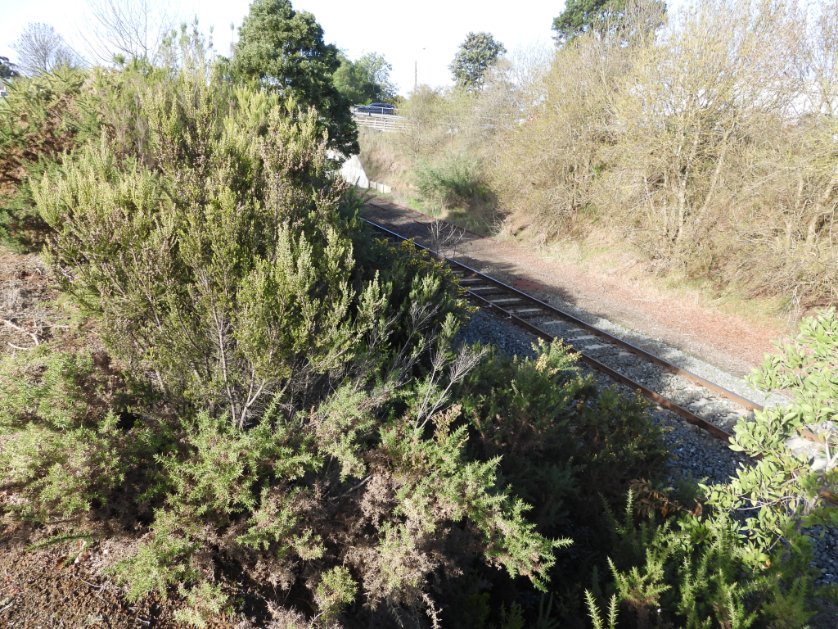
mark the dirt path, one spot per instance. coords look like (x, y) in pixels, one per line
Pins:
(731, 343)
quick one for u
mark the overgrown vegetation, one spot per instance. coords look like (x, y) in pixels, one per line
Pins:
(744, 560)
(272, 402)
(39, 120)
(297, 422)
(704, 138)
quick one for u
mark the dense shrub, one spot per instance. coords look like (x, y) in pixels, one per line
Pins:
(568, 448)
(562, 439)
(745, 561)
(40, 119)
(694, 571)
(456, 182)
(309, 439)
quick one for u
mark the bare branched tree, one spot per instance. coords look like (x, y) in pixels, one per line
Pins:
(130, 29)
(445, 237)
(42, 49)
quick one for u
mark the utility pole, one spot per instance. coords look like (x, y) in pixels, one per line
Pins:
(416, 71)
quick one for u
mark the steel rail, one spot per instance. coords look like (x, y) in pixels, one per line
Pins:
(656, 397)
(503, 288)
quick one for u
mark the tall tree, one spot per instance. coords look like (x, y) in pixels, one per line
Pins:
(284, 50)
(582, 16)
(475, 55)
(7, 69)
(365, 80)
(42, 49)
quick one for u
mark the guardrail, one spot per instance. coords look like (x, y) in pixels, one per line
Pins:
(387, 123)
(389, 110)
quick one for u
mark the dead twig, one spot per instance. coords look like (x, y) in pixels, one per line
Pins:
(14, 326)
(93, 585)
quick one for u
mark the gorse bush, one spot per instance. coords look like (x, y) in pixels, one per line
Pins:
(54, 445)
(561, 438)
(66, 446)
(693, 571)
(40, 119)
(566, 447)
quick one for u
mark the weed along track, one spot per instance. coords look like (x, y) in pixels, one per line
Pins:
(693, 398)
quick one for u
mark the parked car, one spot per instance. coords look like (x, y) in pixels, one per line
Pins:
(376, 108)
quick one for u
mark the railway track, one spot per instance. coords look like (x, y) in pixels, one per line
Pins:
(691, 397)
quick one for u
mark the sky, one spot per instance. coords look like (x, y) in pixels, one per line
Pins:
(419, 39)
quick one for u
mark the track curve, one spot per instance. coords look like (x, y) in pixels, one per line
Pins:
(693, 398)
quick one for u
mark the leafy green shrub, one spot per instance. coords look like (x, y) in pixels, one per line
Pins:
(308, 436)
(454, 182)
(794, 445)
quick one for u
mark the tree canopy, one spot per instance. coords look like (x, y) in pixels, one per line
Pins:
(284, 50)
(581, 16)
(7, 69)
(476, 54)
(365, 80)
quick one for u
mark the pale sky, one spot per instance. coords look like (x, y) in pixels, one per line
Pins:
(420, 34)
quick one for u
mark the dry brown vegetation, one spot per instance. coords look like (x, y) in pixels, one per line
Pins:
(708, 145)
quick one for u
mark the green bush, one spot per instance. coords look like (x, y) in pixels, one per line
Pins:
(794, 445)
(453, 182)
(307, 435)
(40, 119)
(562, 439)
(566, 447)
(694, 571)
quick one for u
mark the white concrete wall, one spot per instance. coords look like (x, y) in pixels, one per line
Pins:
(353, 173)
